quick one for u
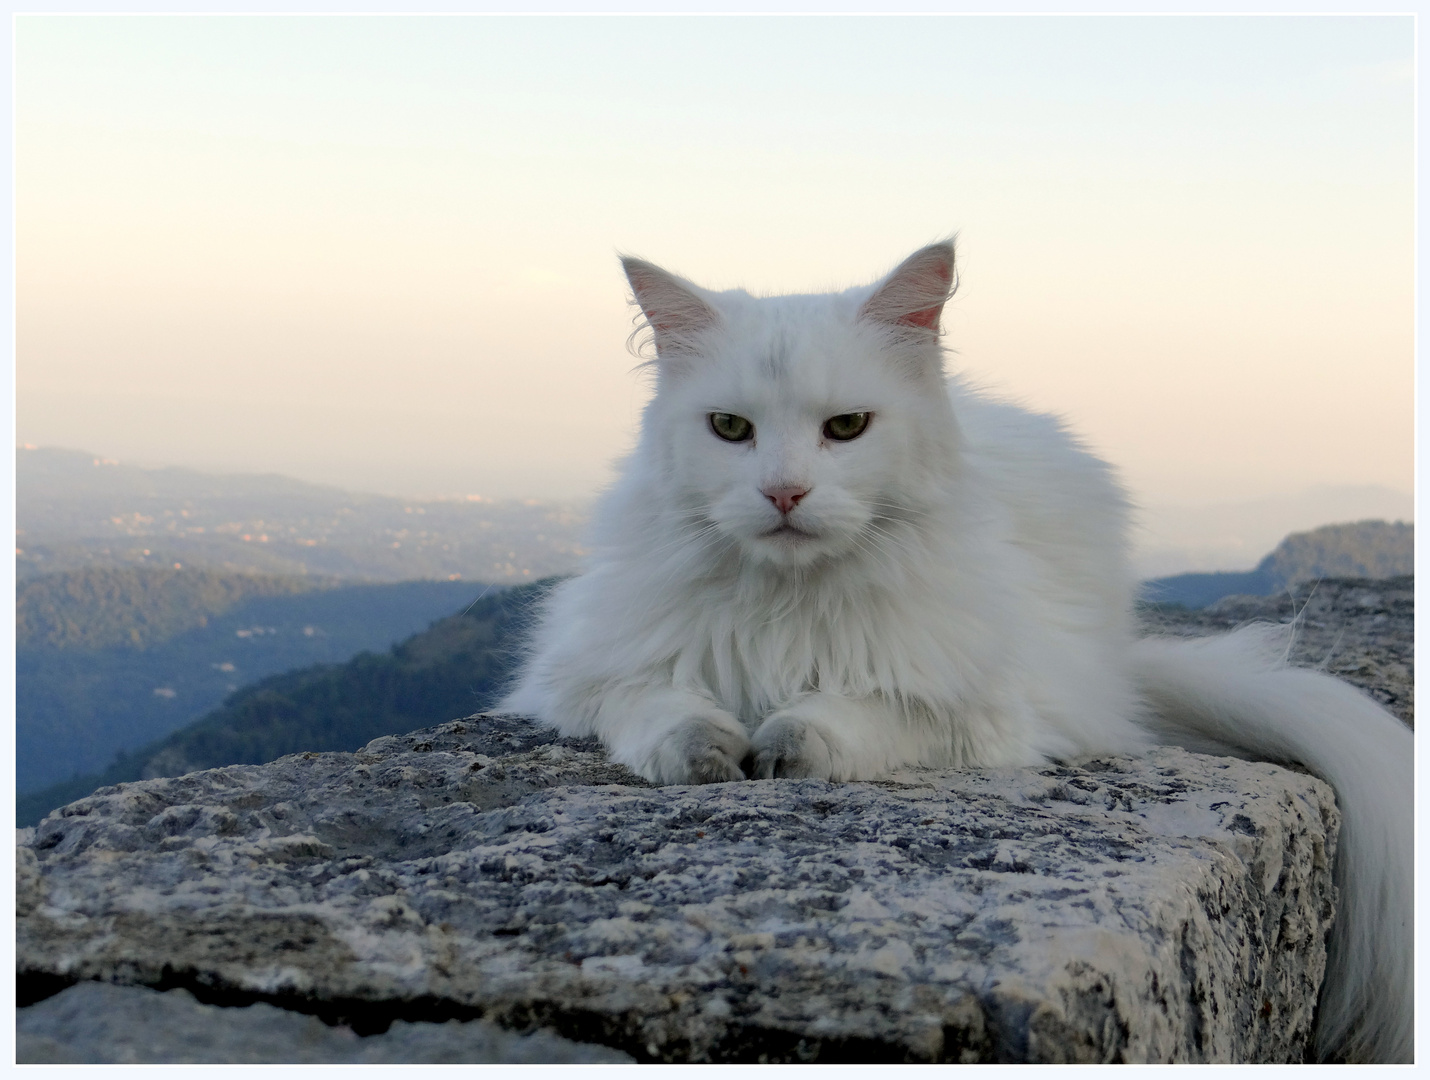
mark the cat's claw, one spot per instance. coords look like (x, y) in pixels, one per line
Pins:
(786, 746)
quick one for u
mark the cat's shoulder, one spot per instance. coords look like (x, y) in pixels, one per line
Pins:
(992, 424)
(1034, 461)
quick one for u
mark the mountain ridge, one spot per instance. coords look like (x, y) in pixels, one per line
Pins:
(1360, 549)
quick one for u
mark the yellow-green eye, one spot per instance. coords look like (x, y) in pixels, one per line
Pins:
(846, 426)
(730, 427)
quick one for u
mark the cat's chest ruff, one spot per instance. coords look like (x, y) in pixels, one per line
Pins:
(758, 652)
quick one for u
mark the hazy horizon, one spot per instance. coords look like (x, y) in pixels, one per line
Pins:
(379, 253)
(1166, 538)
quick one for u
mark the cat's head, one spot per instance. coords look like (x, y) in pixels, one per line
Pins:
(803, 428)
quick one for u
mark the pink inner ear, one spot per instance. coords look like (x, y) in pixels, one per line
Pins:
(923, 276)
(941, 272)
(927, 318)
(644, 283)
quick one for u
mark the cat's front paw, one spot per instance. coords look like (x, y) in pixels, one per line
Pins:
(704, 749)
(795, 746)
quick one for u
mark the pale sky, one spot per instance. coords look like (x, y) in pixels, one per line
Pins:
(381, 252)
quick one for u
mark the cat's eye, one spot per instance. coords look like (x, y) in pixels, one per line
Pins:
(846, 426)
(730, 427)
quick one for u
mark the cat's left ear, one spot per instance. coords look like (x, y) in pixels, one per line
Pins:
(673, 307)
(914, 294)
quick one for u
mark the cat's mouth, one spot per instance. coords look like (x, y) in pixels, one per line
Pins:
(786, 531)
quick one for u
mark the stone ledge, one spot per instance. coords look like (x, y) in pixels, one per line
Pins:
(1172, 907)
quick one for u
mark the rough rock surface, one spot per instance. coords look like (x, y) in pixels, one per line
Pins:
(1172, 907)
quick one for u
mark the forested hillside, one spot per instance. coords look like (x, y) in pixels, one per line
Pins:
(110, 660)
(458, 666)
(135, 607)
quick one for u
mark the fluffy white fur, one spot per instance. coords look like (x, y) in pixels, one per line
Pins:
(952, 590)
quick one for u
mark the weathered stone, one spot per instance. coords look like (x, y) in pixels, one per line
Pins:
(99, 1023)
(1168, 908)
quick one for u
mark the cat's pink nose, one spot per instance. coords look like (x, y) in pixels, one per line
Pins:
(785, 498)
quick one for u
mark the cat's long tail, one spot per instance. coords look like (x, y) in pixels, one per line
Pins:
(1234, 694)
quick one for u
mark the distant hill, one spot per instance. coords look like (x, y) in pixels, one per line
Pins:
(1371, 549)
(458, 666)
(1199, 538)
(76, 510)
(1362, 549)
(112, 607)
(111, 659)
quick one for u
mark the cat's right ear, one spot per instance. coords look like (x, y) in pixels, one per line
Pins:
(912, 297)
(674, 309)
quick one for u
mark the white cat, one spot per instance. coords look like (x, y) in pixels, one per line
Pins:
(828, 558)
